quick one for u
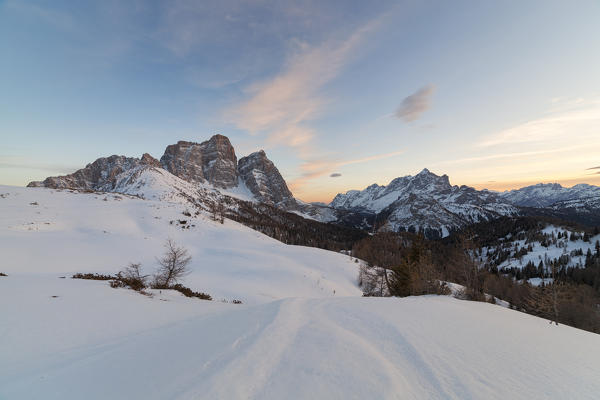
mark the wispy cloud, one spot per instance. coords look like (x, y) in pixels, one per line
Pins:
(579, 119)
(511, 155)
(335, 175)
(317, 168)
(413, 106)
(282, 107)
(593, 168)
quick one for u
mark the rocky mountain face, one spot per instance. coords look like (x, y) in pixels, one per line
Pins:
(547, 194)
(424, 202)
(101, 175)
(213, 160)
(263, 179)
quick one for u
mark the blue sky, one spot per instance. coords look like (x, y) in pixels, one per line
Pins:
(495, 94)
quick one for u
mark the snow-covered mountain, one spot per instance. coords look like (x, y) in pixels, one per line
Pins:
(425, 202)
(192, 171)
(547, 194)
(211, 162)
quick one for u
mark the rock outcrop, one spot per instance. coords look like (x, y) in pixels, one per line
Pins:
(263, 179)
(147, 159)
(99, 175)
(213, 160)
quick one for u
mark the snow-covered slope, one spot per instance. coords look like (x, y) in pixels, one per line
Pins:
(425, 201)
(303, 332)
(62, 232)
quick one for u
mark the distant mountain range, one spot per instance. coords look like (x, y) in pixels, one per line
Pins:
(549, 194)
(206, 172)
(424, 202)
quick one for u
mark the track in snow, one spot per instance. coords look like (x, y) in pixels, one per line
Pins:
(345, 348)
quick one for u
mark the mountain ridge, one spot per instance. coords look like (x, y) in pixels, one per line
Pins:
(425, 202)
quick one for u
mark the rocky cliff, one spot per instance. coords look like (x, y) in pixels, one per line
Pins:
(213, 160)
(100, 175)
(263, 179)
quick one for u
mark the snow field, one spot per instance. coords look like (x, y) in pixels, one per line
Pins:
(303, 331)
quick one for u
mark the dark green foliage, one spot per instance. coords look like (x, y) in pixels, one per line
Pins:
(589, 217)
(293, 229)
(402, 264)
(398, 265)
(401, 281)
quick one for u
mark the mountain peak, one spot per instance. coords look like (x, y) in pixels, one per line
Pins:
(213, 160)
(98, 175)
(258, 154)
(425, 201)
(147, 159)
(263, 179)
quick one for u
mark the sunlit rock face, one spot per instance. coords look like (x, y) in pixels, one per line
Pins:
(213, 160)
(263, 179)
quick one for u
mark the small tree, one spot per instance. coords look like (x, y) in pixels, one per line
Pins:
(217, 210)
(173, 265)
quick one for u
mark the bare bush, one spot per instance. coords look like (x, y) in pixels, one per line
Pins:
(187, 292)
(132, 276)
(94, 277)
(173, 265)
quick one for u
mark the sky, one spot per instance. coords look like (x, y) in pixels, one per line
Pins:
(340, 94)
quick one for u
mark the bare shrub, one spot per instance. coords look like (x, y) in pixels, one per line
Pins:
(132, 276)
(94, 277)
(187, 292)
(173, 265)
